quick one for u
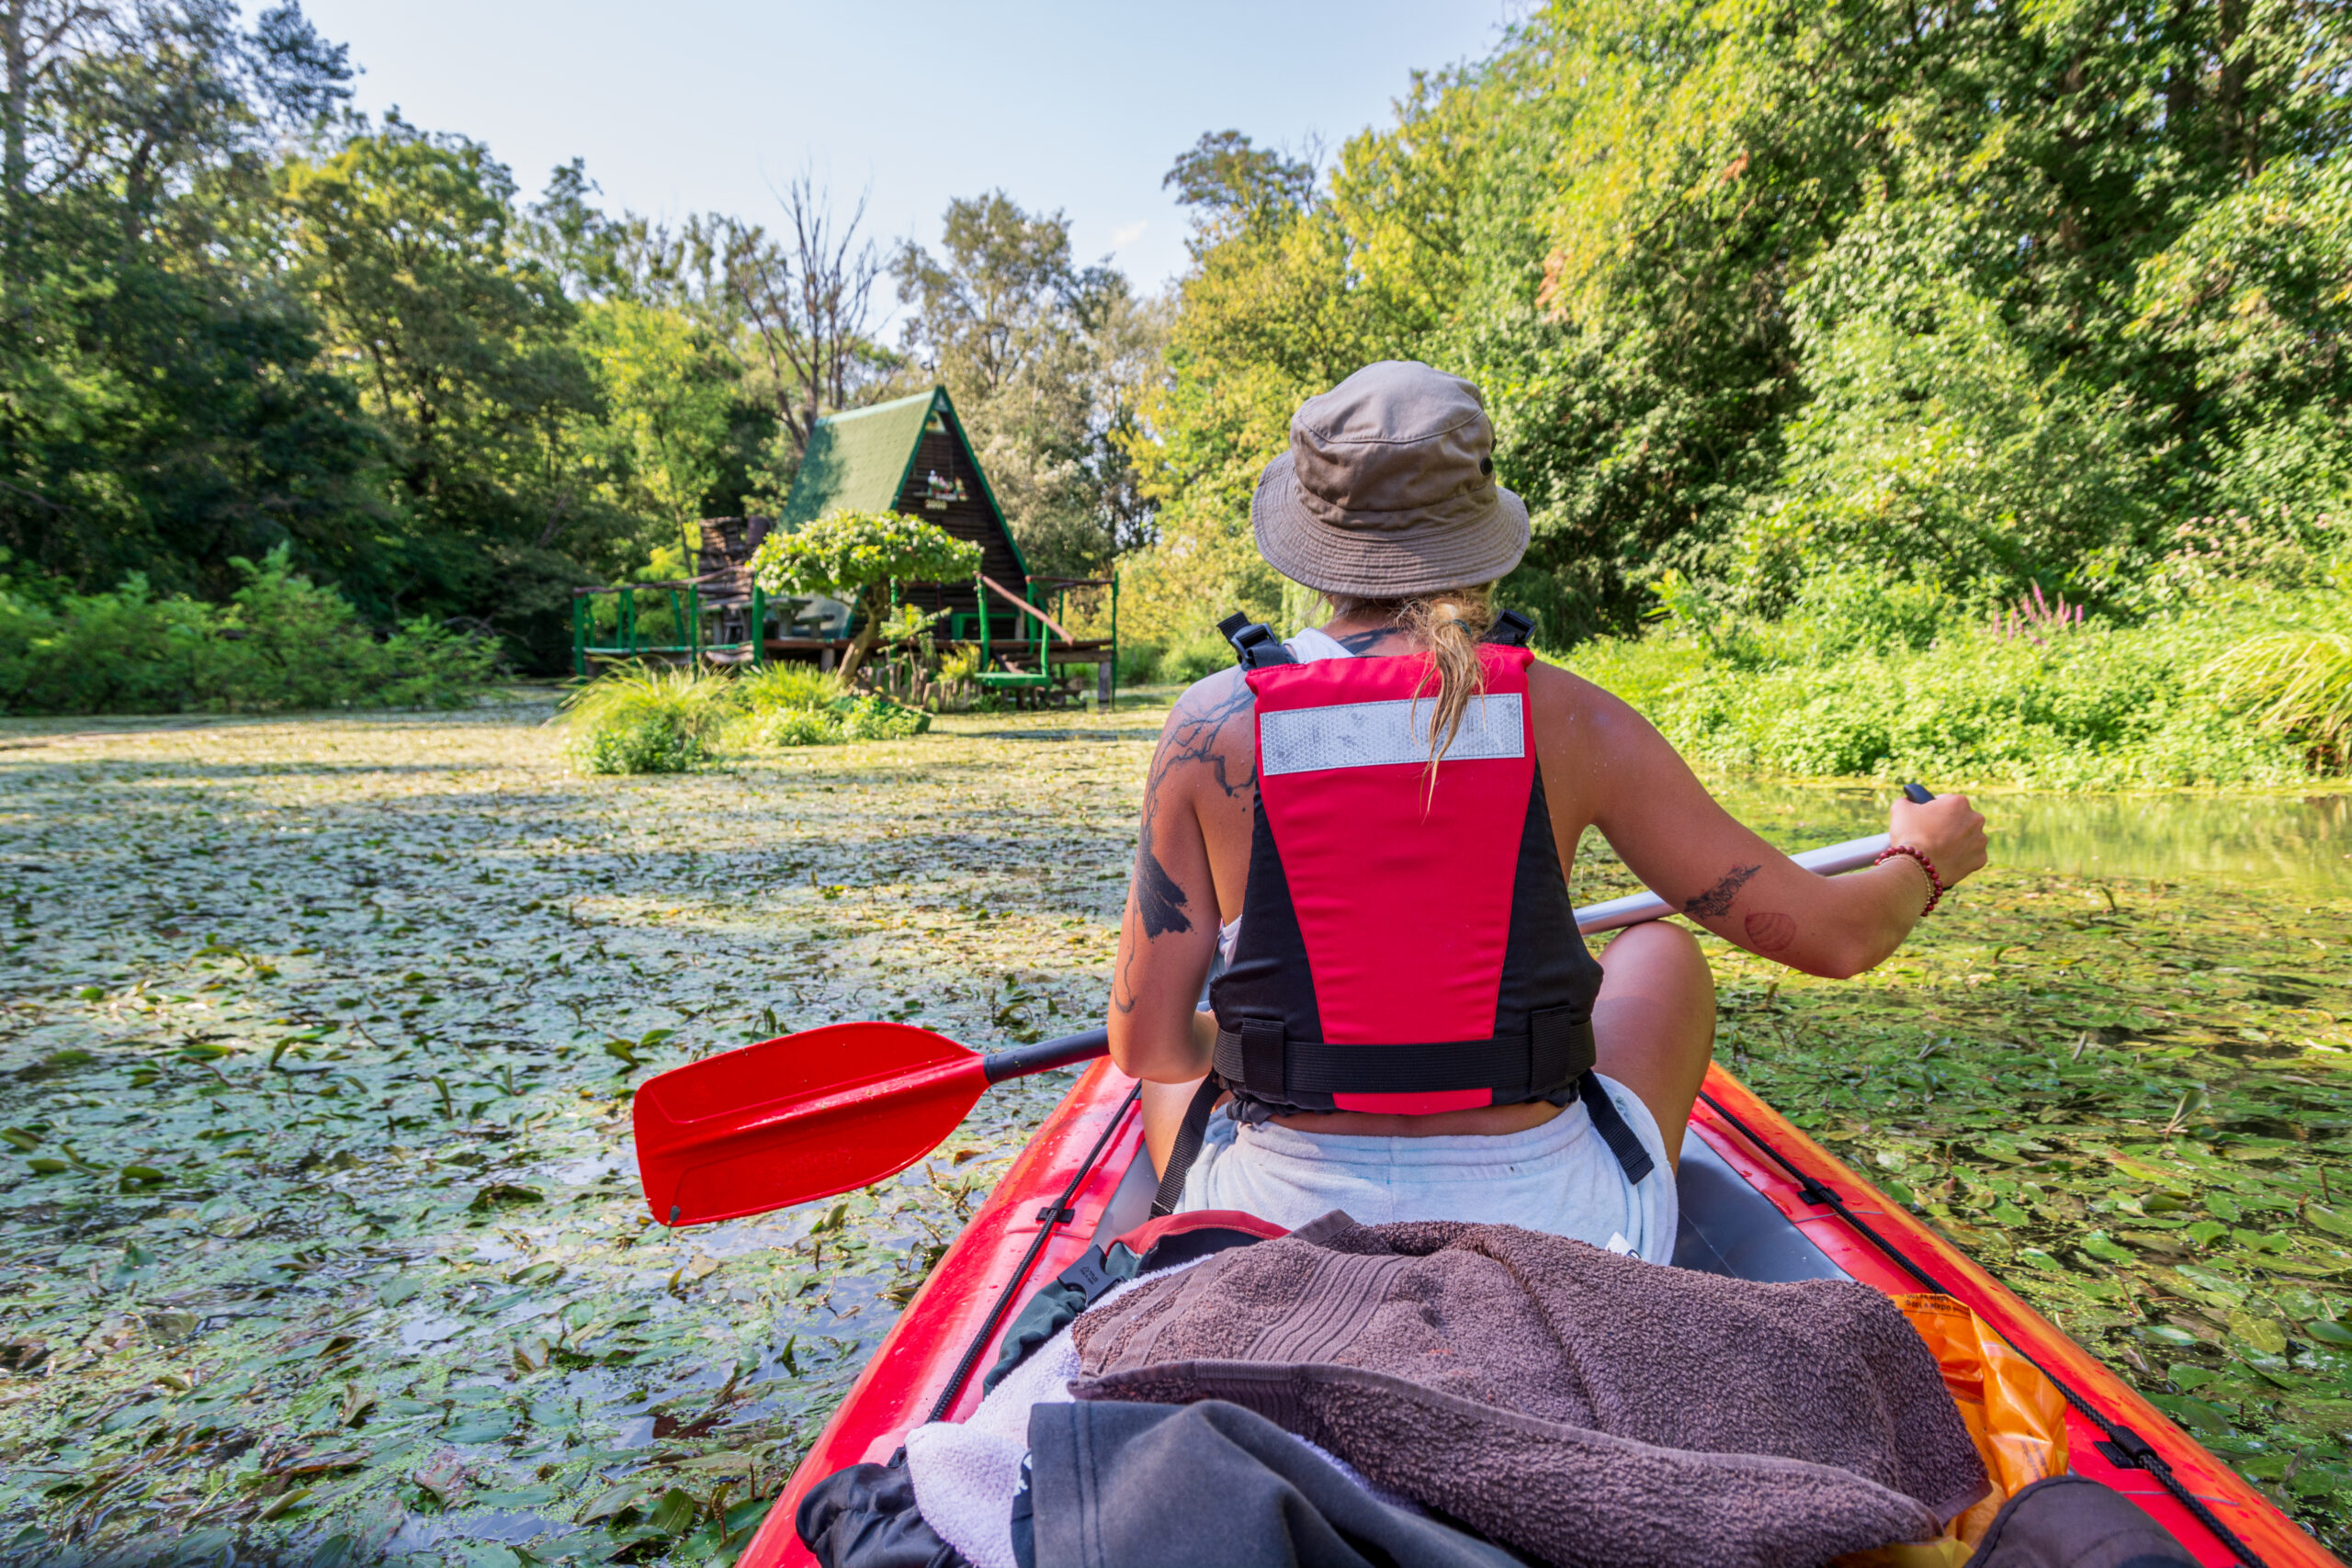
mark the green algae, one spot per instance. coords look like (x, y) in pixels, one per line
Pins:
(323, 1243)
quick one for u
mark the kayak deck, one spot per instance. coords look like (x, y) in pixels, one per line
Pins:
(1743, 1215)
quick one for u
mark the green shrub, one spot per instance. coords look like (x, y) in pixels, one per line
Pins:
(282, 642)
(878, 718)
(2097, 707)
(1138, 663)
(779, 687)
(637, 720)
(794, 705)
(1195, 661)
(790, 726)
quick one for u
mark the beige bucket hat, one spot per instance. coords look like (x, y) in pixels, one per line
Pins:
(1388, 488)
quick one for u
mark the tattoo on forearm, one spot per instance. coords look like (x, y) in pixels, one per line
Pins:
(1159, 901)
(1715, 902)
(1771, 932)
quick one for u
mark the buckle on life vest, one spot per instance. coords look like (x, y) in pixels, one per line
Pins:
(1254, 643)
(1511, 629)
(1261, 1060)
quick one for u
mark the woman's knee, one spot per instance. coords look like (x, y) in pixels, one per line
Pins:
(1656, 949)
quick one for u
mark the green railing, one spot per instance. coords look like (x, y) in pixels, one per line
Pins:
(1038, 630)
(630, 639)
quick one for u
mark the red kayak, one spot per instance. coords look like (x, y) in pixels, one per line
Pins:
(1760, 1201)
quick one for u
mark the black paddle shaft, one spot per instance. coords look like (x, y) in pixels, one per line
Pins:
(1047, 1054)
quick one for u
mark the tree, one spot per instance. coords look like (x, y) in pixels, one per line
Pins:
(669, 402)
(804, 301)
(460, 350)
(855, 557)
(161, 408)
(1974, 295)
(1048, 362)
(1225, 177)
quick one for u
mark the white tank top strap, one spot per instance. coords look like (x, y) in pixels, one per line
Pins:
(1310, 646)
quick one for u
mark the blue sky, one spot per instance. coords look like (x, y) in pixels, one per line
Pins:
(698, 105)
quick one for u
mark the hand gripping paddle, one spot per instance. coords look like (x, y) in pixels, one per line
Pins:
(808, 1115)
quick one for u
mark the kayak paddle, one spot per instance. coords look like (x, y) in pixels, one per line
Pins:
(826, 1110)
(808, 1115)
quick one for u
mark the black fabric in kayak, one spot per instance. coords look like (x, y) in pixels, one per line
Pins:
(1179, 1485)
(1057, 1306)
(865, 1517)
(2072, 1521)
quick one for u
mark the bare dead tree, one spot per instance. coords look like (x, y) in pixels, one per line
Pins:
(806, 295)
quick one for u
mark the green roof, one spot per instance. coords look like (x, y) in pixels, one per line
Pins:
(857, 461)
(860, 459)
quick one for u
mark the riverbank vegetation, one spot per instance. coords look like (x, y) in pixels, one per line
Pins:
(242, 319)
(322, 1031)
(1819, 336)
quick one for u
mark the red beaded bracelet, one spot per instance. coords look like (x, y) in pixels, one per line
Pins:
(1926, 865)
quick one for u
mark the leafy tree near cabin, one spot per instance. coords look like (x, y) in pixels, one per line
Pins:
(855, 557)
(1047, 362)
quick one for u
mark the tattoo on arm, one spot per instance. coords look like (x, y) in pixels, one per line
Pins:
(1771, 932)
(1715, 902)
(1194, 730)
(1159, 899)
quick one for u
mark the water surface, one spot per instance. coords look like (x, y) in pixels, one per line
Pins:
(2282, 842)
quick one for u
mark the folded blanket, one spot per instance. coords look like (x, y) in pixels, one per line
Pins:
(1586, 1407)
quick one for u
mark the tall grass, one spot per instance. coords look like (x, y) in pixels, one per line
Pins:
(2293, 683)
(642, 720)
(779, 687)
(2185, 701)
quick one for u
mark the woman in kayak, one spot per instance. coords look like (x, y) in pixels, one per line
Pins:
(1372, 823)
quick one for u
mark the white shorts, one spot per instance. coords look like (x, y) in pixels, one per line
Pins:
(1559, 1178)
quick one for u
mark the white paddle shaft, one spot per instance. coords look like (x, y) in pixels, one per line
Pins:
(1632, 910)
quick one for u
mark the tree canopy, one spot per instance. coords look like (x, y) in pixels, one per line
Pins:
(1980, 295)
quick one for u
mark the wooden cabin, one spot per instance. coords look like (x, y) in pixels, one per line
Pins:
(909, 455)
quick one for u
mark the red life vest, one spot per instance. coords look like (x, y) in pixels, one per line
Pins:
(1406, 945)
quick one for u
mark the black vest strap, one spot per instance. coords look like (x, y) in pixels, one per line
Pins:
(1556, 1050)
(1187, 1147)
(1621, 1139)
(1254, 643)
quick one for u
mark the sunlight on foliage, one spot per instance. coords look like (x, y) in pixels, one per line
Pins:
(640, 720)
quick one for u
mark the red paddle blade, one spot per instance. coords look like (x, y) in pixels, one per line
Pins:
(798, 1118)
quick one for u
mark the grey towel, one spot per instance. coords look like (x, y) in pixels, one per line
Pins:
(1589, 1409)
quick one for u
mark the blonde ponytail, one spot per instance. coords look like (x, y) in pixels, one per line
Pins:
(1448, 623)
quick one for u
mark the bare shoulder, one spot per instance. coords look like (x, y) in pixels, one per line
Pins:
(1208, 737)
(1568, 705)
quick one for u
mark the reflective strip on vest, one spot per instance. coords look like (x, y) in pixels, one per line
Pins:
(1384, 734)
